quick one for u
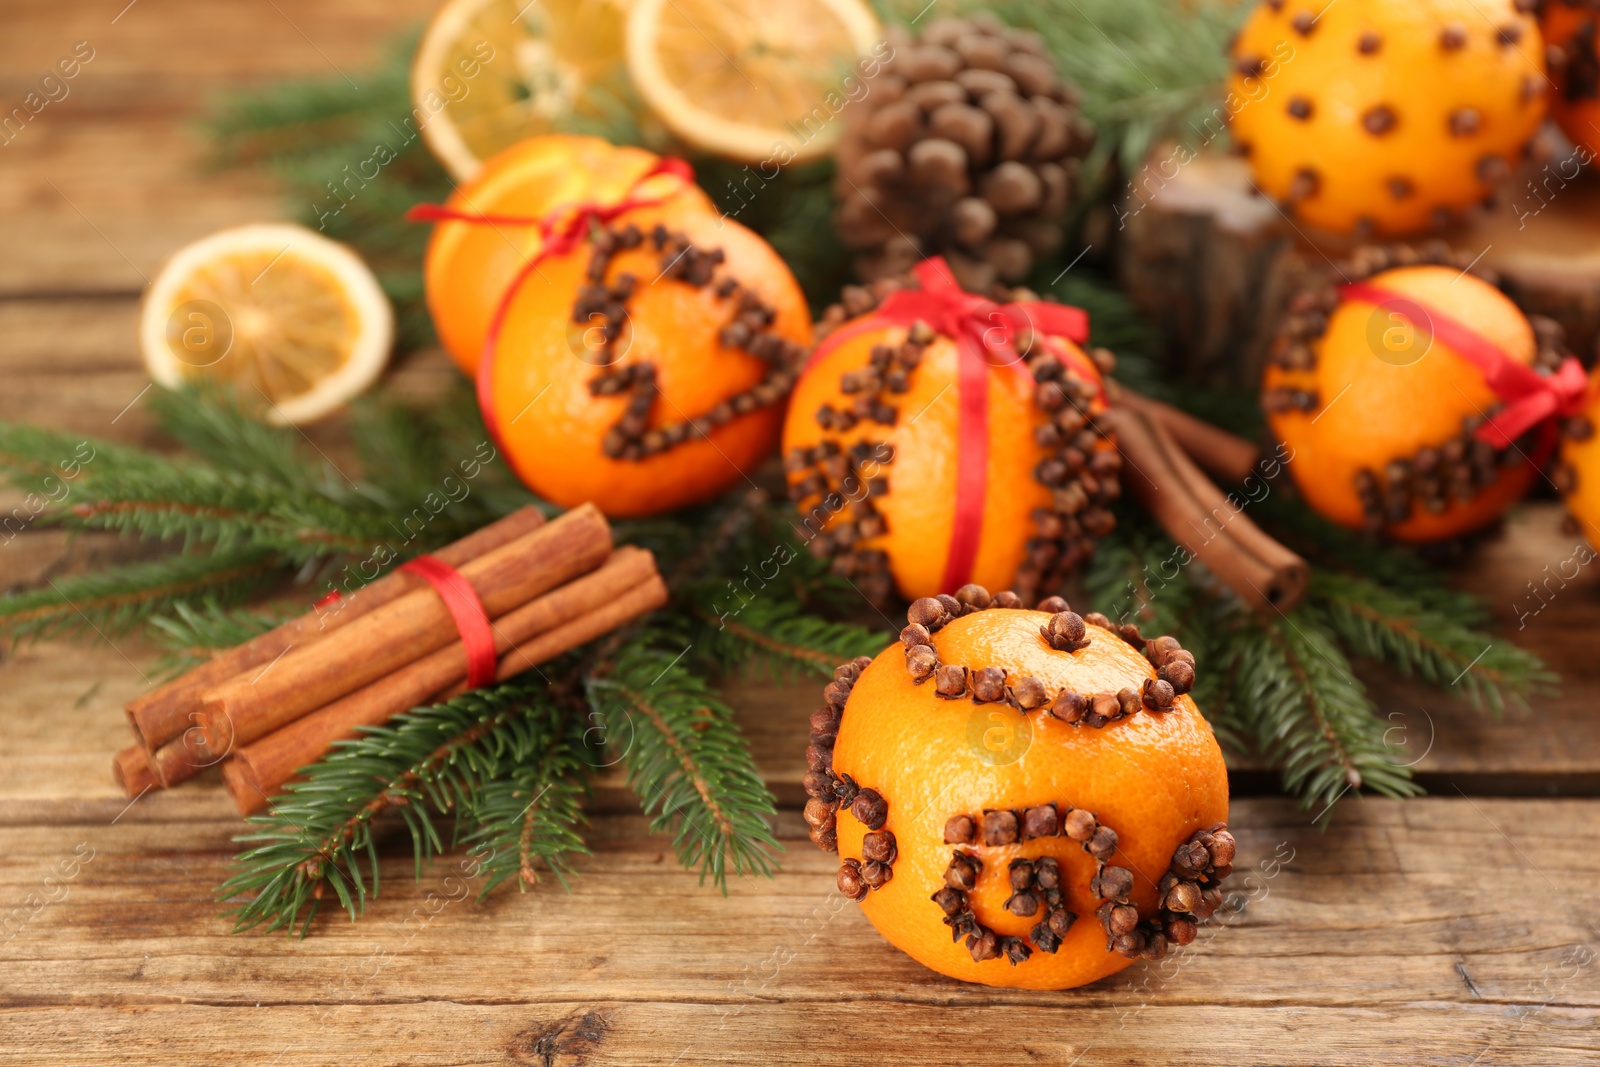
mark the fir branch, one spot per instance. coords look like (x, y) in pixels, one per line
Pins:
(773, 632)
(1386, 625)
(1399, 568)
(1137, 575)
(195, 629)
(320, 838)
(792, 210)
(209, 625)
(752, 618)
(300, 117)
(320, 138)
(211, 422)
(717, 539)
(791, 642)
(262, 504)
(408, 453)
(114, 600)
(401, 453)
(531, 814)
(160, 497)
(1309, 712)
(57, 464)
(199, 506)
(1114, 323)
(684, 756)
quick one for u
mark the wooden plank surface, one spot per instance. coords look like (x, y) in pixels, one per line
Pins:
(1443, 926)
(1452, 930)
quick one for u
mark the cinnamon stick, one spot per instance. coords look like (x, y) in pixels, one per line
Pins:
(626, 587)
(255, 703)
(1220, 453)
(166, 713)
(1198, 516)
(579, 631)
(132, 772)
(183, 757)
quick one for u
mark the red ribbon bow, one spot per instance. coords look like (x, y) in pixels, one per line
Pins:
(984, 332)
(1530, 397)
(560, 230)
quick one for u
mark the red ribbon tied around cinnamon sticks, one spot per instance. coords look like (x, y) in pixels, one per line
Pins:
(472, 621)
(1530, 397)
(984, 332)
(561, 230)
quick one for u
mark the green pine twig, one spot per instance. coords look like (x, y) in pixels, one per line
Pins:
(530, 815)
(114, 600)
(789, 638)
(319, 137)
(776, 637)
(160, 497)
(320, 837)
(1310, 714)
(198, 504)
(211, 422)
(192, 630)
(194, 627)
(408, 453)
(1391, 627)
(685, 758)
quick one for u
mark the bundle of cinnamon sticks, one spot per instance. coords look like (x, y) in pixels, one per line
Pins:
(1164, 451)
(278, 702)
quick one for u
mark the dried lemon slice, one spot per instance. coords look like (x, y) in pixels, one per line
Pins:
(755, 80)
(293, 321)
(489, 73)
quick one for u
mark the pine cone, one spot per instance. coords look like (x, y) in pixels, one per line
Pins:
(966, 144)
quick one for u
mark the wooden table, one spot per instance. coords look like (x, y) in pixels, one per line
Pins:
(1455, 929)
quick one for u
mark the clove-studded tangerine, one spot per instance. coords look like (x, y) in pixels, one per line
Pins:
(1047, 803)
(631, 347)
(1415, 399)
(1391, 118)
(1571, 31)
(937, 438)
(1577, 475)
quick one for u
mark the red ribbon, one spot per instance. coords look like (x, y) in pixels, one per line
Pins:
(983, 331)
(560, 230)
(1530, 397)
(472, 621)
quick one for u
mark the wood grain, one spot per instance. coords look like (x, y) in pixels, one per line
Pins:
(1415, 922)
(100, 187)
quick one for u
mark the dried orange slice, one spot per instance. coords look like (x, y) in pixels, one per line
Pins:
(489, 73)
(753, 80)
(296, 323)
